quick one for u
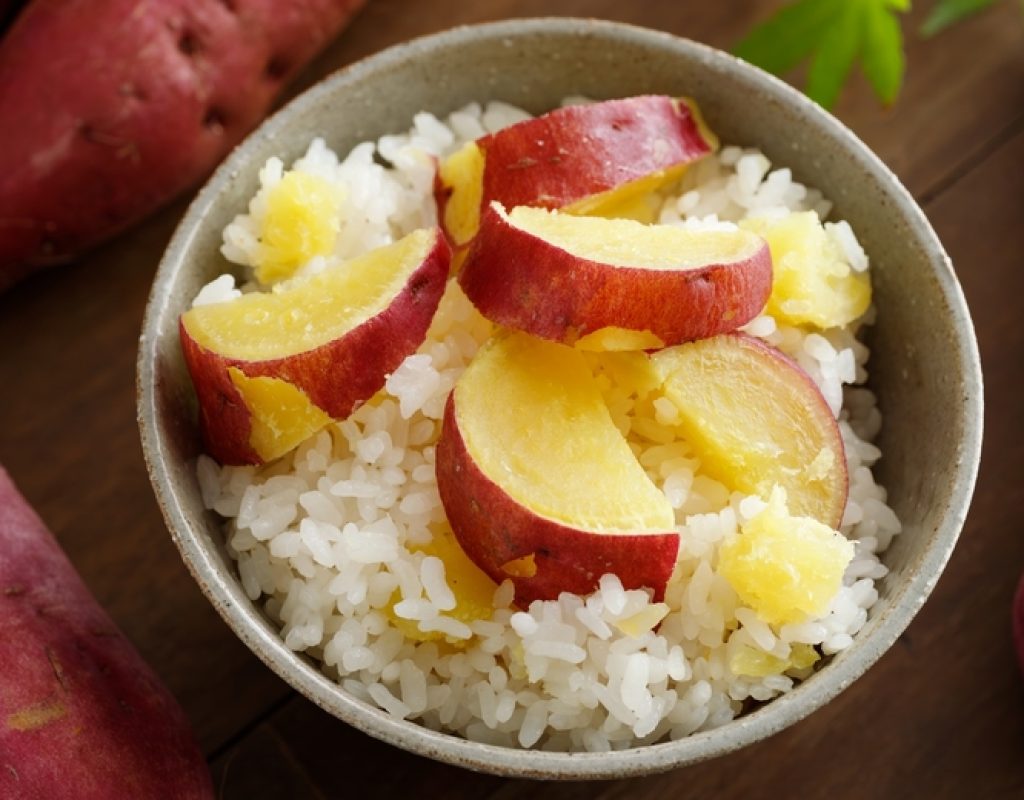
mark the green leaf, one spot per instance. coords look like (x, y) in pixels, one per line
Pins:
(833, 34)
(835, 54)
(948, 12)
(787, 38)
(882, 55)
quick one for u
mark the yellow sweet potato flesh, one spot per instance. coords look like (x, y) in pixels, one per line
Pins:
(305, 313)
(282, 415)
(302, 220)
(813, 285)
(628, 243)
(786, 568)
(532, 418)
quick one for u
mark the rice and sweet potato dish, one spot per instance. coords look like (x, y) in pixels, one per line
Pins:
(608, 485)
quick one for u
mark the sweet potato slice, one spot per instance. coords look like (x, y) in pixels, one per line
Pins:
(538, 484)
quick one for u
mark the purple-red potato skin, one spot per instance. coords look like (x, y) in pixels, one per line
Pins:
(83, 716)
(493, 529)
(570, 154)
(338, 376)
(110, 108)
(577, 152)
(521, 281)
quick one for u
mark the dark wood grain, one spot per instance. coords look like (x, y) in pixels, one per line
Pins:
(940, 716)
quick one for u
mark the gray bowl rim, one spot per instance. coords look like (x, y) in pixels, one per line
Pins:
(241, 615)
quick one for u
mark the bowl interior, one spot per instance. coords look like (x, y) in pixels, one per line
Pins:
(924, 364)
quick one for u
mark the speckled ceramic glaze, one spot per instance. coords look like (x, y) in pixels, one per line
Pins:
(924, 366)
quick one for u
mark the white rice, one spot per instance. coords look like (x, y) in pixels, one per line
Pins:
(326, 537)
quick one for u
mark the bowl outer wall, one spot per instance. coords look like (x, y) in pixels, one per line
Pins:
(925, 364)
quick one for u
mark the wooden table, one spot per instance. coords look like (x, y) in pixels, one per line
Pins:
(940, 716)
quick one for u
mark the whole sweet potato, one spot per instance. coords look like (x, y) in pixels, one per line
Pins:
(81, 714)
(109, 108)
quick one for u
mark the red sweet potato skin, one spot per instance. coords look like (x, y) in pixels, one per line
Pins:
(109, 108)
(81, 714)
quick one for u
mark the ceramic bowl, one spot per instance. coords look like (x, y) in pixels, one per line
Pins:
(924, 365)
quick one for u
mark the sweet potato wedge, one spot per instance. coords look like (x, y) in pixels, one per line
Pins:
(81, 714)
(109, 108)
